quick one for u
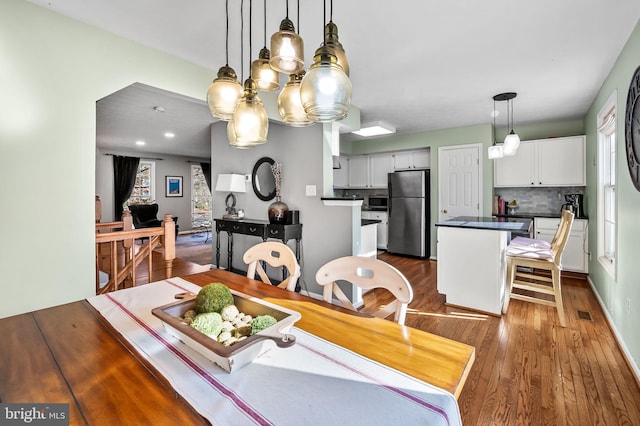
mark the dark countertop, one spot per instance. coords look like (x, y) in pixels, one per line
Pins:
(557, 215)
(365, 222)
(490, 223)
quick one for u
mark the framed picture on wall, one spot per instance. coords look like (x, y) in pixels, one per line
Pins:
(173, 186)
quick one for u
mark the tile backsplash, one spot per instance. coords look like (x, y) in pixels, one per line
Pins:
(539, 200)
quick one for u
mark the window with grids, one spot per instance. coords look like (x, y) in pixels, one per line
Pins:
(144, 188)
(607, 205)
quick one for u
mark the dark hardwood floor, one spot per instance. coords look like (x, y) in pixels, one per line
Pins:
(528, 370)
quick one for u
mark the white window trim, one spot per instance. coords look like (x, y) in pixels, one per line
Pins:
(610, 106)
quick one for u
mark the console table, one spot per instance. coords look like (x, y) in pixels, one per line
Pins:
(257, 228)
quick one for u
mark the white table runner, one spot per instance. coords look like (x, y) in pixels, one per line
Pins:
(314, 382)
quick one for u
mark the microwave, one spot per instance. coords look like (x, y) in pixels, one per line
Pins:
(378, 203)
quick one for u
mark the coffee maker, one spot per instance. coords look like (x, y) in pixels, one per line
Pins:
(575, 204)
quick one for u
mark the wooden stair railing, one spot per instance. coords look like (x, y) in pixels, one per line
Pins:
(113, 232)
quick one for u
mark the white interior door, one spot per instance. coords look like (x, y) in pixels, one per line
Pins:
(459, 181)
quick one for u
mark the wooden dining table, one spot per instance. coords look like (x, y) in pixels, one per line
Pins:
(71, 354)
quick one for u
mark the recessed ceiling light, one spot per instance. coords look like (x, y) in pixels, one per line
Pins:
(169, 135)
(139, 143)
(158, 109)
(375, 128)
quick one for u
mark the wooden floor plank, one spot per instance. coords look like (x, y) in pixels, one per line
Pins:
(528, 369)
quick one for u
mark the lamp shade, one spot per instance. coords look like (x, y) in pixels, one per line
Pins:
(290, 105)
(287, 49)
(231, 183)
(250, 120)
(495, 151)
(325, 90)
(266, 78)
(511, 144)
(224, 93)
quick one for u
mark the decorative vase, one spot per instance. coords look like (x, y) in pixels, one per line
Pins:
(278, 211)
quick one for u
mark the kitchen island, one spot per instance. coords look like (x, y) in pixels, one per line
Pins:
(471, 260)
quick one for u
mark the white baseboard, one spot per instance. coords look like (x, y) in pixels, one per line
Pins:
(634, 367)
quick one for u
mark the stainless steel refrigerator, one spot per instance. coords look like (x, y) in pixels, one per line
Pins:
(409, 218)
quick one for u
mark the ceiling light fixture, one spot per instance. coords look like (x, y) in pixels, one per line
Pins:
(158, 109)
(287, 48)
(512, 140)
(250, 123)
(289, 104)
(266, 78)
(331, 40)
(375, 128)
(169, 135)
(140, 143)
(325, 90)
(225, 91)
(495, 150)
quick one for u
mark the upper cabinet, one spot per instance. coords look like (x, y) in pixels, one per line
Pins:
(407, 160)
(543, 162)
(370, 170)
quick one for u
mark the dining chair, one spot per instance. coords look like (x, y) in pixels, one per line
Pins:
(366, 273)
(535, 266)
(275, 254)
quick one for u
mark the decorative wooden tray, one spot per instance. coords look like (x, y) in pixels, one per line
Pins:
(240, 353)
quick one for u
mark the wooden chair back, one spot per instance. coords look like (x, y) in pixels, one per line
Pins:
(275, 254)
(562, 236)
(366, 273)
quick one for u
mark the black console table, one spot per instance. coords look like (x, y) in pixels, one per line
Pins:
(258, 228)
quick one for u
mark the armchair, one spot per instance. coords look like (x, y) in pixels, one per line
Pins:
(146, 216)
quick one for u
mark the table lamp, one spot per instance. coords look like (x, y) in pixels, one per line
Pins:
(231, 183)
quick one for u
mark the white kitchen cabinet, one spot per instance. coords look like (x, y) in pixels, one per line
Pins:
(382, 227)
(543, 162)
(379, 166)
(341, 175)
(407, 160)
(369, 171)
(358, 171)
(575, 256)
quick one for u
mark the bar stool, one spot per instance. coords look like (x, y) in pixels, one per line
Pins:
(527, 257)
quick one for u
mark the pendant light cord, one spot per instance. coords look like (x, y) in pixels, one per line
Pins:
(331, 11)
(298, 17)
(287, 9)
(494, 121)
(241, 40)
(227, 39)
(265, 23)
(250, 25)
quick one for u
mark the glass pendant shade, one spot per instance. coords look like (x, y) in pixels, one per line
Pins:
(224, 93)
(511, 144)
(290, 105)
(250, 121)
(287, 49)
(266, 78)
(495, 151)
(325, 90)
(233, 140)
(331, 40)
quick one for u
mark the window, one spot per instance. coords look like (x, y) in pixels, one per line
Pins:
(144, 191)
(607, 205)
(200, 199)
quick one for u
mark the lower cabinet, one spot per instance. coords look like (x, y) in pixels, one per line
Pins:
(382, 227)
(576, 253)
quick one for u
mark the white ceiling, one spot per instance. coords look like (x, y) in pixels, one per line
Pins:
(417, 64)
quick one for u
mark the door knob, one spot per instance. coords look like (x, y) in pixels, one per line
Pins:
(445, 211)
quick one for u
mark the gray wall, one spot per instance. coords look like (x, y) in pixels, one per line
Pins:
(326, 231)
(166, 165)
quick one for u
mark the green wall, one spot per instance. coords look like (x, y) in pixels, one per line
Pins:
(482, 133)
(615, 292)
(52, 72)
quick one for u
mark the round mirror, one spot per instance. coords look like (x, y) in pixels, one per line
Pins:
(264, 184)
